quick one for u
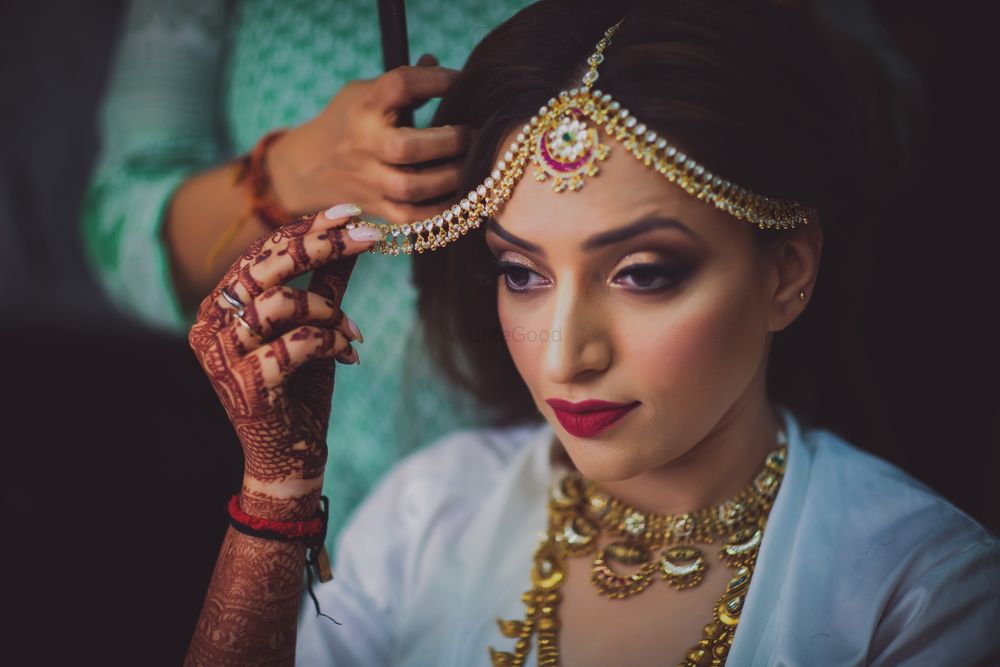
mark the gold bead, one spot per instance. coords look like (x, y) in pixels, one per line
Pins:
(548, 624)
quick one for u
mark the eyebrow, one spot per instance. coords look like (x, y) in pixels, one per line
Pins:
(602, 239)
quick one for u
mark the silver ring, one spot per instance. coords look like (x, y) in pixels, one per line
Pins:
(233, 301)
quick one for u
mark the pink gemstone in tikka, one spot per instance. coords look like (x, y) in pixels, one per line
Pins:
(561, 166)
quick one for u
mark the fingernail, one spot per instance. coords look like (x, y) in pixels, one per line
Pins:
(342, 211)
(355, 330)
(349, 357)
(366, 233)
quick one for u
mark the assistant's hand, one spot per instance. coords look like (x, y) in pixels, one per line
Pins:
(274, 375)
(352, 150)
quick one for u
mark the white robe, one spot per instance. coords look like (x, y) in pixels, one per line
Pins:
(860, 563)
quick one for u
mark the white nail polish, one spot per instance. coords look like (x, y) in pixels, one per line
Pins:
(355, 330)
(365, 233)
(342, 211)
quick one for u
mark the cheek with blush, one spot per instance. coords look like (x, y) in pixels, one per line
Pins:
(515, 322)
(692, 360)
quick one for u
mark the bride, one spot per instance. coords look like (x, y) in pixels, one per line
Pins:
(643, 500)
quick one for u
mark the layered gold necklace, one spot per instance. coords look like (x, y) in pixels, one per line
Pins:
(580, 511)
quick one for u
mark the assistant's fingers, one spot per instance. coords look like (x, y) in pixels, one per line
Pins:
(280, 358)
(408, 85)
(407, 145)
(411, 186)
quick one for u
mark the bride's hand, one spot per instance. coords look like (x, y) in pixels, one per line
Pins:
(273, 372)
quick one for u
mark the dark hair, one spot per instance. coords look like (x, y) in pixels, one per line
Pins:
(747, 87)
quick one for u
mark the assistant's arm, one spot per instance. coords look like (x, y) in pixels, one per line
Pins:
(161, 197)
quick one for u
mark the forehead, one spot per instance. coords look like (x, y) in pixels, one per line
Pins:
(623, 191)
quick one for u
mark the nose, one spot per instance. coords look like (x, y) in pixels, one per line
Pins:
(579, 345)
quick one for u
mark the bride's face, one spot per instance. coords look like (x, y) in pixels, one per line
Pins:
(634, 292)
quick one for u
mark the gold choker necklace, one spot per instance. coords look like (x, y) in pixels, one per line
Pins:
(580, 511)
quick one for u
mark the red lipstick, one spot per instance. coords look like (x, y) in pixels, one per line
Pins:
(588, 418)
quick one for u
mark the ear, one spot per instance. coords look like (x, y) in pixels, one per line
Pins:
(794, 263)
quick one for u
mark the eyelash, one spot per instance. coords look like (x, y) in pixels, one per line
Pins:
(672, 274)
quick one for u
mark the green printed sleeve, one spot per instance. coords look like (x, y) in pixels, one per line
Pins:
(158, 125)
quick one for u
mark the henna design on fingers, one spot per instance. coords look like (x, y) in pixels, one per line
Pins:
(297, 249)
(241, 281)
(277, 398)
(298, 227)
(295, 257)
(245, 279)
(301, 301)
(262, 255)
(313, 390)
(279, 352)
(214, 353)
(281, 309)
(330, 281)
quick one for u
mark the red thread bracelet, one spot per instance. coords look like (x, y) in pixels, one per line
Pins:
(288, 531)
(254, 171)
(311, 532)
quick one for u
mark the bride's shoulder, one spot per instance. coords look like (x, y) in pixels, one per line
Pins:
(849, 477)
(908, 563)
(874, 512)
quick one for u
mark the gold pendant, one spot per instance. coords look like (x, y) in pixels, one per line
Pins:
(567, 150)
(741, 547)
(683, 567)
(616, 586)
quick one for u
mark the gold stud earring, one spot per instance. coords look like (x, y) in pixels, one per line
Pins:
(802, 296)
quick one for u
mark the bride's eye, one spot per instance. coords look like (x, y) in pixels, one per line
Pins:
(651, 277)
(517, 277)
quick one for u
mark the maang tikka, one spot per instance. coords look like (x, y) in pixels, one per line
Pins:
(563, 143)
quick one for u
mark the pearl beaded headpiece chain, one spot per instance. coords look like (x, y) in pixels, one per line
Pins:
(562, 145)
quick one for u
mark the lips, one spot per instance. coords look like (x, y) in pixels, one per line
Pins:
(588, 418)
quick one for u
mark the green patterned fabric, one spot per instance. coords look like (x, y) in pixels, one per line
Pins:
(196, 82)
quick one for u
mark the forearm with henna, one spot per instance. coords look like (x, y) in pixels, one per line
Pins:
(250, 610)
(274, 377)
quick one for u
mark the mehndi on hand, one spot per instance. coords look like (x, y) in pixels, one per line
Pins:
(269, 350)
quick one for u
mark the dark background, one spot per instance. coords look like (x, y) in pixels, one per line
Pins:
(117, 459)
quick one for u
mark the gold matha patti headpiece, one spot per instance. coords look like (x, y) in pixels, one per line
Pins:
(563, 143)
